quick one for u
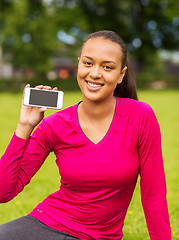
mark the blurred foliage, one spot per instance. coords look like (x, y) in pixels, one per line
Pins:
(145, 25)
(27, 36)
(16, 85)
(143, 81)
(33, 31)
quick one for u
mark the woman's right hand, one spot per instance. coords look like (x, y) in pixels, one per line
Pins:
(30, 117)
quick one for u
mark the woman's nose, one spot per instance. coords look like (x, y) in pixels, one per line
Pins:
(95, 73)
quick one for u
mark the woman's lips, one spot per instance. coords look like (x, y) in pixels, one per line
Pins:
(94, 86)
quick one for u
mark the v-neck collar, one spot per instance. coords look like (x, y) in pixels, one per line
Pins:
(83, 135)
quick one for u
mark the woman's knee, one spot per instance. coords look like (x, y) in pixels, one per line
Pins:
(13, 230)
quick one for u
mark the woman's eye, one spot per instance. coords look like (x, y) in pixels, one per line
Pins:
(108, 67)
(88, 63)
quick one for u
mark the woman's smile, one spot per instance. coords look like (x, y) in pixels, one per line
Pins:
(94, 86)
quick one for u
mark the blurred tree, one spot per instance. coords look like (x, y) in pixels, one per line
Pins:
(32, 31)
(4, 8)
(36, 30)
(28, 36)
(145, 25)
(71, 25)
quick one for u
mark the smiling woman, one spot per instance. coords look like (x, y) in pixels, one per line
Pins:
(102, 144)
(127, 87)
(100, 69)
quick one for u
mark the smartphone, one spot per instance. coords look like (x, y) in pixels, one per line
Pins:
(43, 98)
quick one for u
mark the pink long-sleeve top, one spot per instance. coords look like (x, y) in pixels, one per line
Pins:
(97, 180)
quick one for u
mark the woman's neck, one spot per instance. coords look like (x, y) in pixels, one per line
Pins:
(96, 111)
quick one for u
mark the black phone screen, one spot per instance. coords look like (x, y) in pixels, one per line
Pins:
(43, 98)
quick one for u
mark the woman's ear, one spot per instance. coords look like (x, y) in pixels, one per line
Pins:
(123, 71)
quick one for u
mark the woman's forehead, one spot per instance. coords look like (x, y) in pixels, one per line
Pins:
(92, 42)
(101, 47)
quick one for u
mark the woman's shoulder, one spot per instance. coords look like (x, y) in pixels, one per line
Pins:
(139, 114)
(64, 115)
(132, 103)
(135, 109)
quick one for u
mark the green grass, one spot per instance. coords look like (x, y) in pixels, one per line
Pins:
(165, 104)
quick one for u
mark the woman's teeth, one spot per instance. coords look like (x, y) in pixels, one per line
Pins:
(94, 84)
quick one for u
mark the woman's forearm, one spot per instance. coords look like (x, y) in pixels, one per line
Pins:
(12, 178)
(24, 131)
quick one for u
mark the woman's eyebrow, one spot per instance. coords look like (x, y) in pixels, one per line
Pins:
(102, 61)
(87, 57)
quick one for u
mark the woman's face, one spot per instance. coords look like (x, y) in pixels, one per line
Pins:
(99, 69)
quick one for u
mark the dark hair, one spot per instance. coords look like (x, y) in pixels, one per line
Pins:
(127, 88)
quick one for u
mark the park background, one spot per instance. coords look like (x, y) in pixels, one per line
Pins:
(39, 44)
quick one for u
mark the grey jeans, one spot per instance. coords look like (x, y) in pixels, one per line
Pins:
(29, 228)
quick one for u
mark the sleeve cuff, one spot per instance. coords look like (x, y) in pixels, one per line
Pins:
(21, 140)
